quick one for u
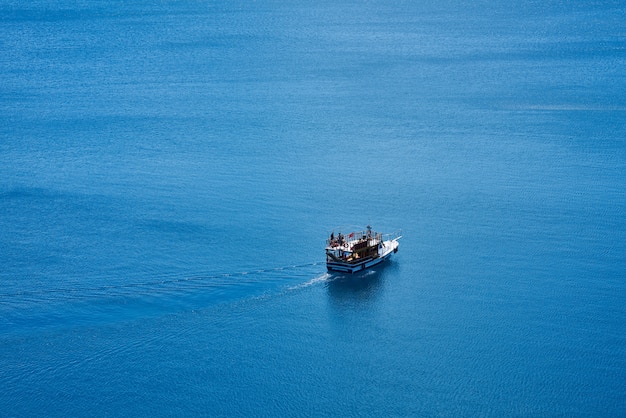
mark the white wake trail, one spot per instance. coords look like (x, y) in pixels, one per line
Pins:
(319, 279)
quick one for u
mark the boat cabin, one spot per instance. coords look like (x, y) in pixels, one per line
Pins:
(354, 247)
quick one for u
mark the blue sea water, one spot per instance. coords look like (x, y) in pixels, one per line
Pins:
(170, 170)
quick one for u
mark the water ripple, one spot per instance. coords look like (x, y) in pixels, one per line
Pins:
(162, 294)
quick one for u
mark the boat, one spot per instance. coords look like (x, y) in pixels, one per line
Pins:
(358, 251)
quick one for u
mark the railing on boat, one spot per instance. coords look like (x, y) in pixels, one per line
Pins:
(357, 236)
(394, 236)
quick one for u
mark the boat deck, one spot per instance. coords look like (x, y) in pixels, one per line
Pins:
(359, 250)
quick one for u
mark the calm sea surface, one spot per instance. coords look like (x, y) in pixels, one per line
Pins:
(170, 170)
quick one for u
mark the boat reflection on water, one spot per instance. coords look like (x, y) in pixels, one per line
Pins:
(355, 288)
